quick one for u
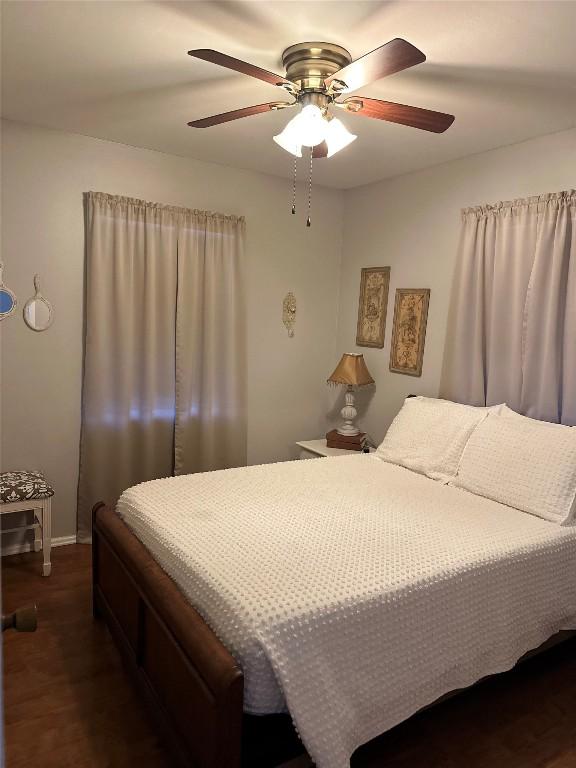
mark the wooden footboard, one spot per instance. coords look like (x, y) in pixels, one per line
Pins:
(193, 686)
(192, 683)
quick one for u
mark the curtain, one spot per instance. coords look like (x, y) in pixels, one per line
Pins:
(164, 363)
(210, 347)
(512, 322)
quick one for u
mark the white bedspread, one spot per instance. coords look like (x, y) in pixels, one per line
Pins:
(353, 590)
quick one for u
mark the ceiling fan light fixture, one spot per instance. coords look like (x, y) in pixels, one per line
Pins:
(317, 75)
(338, 136)
(307, 129)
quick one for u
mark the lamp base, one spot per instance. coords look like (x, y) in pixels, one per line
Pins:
(348, 442)
(348, 430)
(348, 413)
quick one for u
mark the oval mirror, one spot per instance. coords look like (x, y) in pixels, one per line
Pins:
(38, 314)
(7, 298)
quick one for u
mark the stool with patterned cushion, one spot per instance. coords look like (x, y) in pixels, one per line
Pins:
(29, 492)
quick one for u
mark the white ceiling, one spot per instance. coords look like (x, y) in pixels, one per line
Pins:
(120, 71)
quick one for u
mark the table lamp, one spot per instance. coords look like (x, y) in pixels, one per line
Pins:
(352, 372)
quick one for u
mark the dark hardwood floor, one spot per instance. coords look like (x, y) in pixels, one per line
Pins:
(69, 704)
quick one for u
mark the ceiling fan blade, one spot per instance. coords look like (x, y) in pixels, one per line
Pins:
(236, 114)
(320, 150)
(415, 117)
(223, 60)
(393, 57)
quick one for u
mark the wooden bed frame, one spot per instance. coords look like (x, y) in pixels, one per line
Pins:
(192, 684)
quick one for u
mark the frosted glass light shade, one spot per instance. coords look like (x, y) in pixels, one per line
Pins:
(288, 140)
(307, 129)
(311, 126)
(338, 136)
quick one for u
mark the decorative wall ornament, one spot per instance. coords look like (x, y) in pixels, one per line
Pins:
(38, 312)
(289, 313)
(7, 298)
(409, 330)
(372, 307)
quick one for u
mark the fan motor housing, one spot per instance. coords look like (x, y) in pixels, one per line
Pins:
(309, 64)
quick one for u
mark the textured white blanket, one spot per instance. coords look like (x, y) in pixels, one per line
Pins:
(356, 591)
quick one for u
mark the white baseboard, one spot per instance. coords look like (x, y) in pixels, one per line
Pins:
(28, 546)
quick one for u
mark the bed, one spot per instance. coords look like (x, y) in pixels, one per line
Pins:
(342, 594)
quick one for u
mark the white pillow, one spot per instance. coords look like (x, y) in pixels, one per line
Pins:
(524, 463)
(429, 436)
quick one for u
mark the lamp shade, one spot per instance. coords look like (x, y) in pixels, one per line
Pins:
(352, 371)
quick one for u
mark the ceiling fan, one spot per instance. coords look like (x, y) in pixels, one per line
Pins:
(318, 77)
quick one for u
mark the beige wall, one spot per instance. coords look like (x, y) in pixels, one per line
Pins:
(44, 174)
(411, 223)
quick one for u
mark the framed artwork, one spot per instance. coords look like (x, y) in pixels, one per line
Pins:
(372, 306)
(409, 330)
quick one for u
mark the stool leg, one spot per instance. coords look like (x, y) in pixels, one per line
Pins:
(38, 515)
(47, 535)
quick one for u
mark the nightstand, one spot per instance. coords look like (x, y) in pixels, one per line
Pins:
(314, 449)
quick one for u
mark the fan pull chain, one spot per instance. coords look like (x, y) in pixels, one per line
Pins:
(294, 186)
(308, 221)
